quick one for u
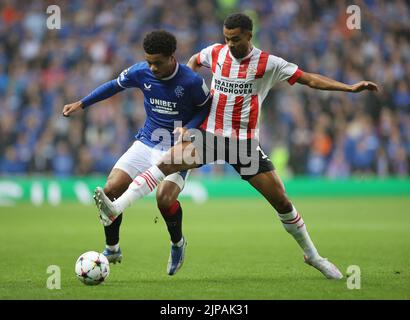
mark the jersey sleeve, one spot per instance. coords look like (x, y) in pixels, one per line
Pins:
(200, 91)
(204, 57)
(103, 92)
(128, 78)
(279, 69)
(201, 98)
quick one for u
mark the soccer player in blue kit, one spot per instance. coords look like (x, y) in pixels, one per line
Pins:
(172, 92)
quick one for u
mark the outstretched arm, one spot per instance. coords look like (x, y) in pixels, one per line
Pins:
(193, 63)
(318, 81)
(103, 92)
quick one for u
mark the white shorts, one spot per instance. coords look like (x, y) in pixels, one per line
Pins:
(140, 157)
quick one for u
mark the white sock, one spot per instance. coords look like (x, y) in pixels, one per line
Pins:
(114, 248)
(142, 185)
(294, 224)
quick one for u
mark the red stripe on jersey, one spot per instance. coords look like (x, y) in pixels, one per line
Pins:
(243, 68)
(220, 109)
(205, 123)
(298, 73)
(226, 68)
(253, 116)
(263, 61)
(215, 54)
(236, 116)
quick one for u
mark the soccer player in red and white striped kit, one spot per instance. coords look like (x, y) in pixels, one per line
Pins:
(242, 77)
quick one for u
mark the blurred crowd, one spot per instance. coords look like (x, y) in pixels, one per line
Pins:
(305, 131)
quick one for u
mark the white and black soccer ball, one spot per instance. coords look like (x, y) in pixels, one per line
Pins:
(92, 268)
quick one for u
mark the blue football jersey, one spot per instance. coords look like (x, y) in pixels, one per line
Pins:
(175, 98)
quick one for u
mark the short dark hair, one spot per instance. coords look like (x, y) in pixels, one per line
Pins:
(160, 41)
(238, 20)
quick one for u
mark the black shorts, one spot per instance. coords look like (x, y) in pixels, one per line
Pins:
(245, 156)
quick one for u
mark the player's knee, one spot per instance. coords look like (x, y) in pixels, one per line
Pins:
(164, 199)
(283, 204)
(280, 200)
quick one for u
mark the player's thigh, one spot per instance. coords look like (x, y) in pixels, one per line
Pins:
(117, 182)
(167, 193)
(270, 185)
(180, 157)
(135, 160)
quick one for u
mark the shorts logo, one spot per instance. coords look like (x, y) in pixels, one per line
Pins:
(147, 87)
(264, 156)
(179, 91)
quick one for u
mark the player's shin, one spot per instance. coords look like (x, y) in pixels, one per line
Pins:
(294, 224)
(173, 218)
(141, 186)
(112, 234)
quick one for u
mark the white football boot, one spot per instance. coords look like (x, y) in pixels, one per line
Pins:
(107, 210)
(328, 269)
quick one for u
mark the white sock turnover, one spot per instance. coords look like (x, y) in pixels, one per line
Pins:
(294, 224)
(114, 248)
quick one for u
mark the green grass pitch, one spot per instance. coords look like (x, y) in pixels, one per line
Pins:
(237, 249)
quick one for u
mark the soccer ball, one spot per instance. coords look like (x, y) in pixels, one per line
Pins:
(92, 268)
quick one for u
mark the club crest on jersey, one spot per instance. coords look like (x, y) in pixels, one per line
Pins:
(179, 91)
(147, 87)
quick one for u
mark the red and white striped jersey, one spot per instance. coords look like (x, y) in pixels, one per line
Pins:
(239, 87)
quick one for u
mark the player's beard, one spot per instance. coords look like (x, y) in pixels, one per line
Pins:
(238, 54)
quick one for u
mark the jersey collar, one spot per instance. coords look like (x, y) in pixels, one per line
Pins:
(173, 74)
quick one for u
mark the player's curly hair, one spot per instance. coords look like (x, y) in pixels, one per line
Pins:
(160, 41)
(238, 20)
